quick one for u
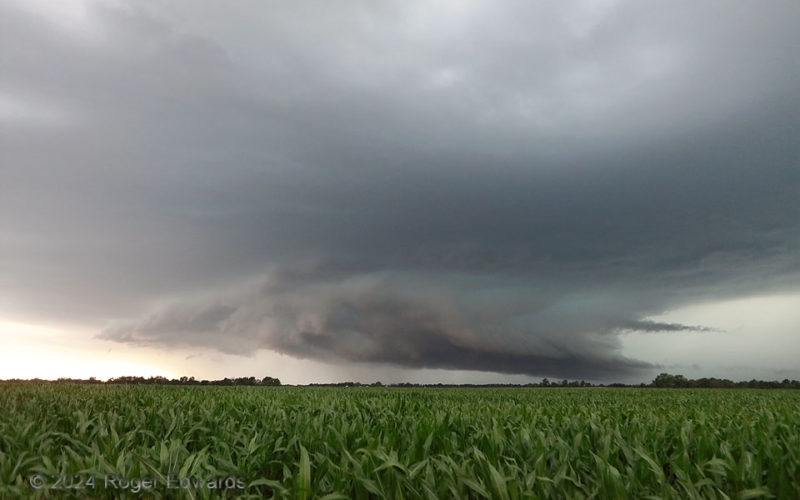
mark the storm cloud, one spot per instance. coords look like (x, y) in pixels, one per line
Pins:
(502, 187)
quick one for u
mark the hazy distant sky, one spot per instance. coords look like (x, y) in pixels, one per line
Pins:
(425, 191)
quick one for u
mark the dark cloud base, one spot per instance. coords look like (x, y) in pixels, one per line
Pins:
(505, 188)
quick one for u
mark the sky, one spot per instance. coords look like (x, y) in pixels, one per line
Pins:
(433, 191)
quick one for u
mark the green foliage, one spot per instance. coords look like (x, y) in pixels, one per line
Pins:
(667, 380)
(289, 442)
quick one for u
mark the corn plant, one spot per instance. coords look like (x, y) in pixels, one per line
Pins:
(395, 443)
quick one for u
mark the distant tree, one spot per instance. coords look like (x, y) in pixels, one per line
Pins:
(270, 381)
(663, 380)
(667, 380)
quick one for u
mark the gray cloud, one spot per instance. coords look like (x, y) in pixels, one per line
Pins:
(654, 326)
(501, 188)
(408, 321)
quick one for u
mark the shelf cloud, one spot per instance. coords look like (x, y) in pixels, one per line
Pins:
(503, 187)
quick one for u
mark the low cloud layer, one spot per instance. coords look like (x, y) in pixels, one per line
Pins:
(444, 321)
(420, 322)
(504, 188)
(653, 326)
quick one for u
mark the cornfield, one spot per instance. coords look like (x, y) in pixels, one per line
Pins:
(293, 442)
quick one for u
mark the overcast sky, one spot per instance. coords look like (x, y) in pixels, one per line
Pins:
(458, 191)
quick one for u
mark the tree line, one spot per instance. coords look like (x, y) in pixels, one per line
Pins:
(668, 380)
(663, 380)
(266, 381)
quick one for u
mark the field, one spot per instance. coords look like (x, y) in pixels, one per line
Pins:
(301, 442)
